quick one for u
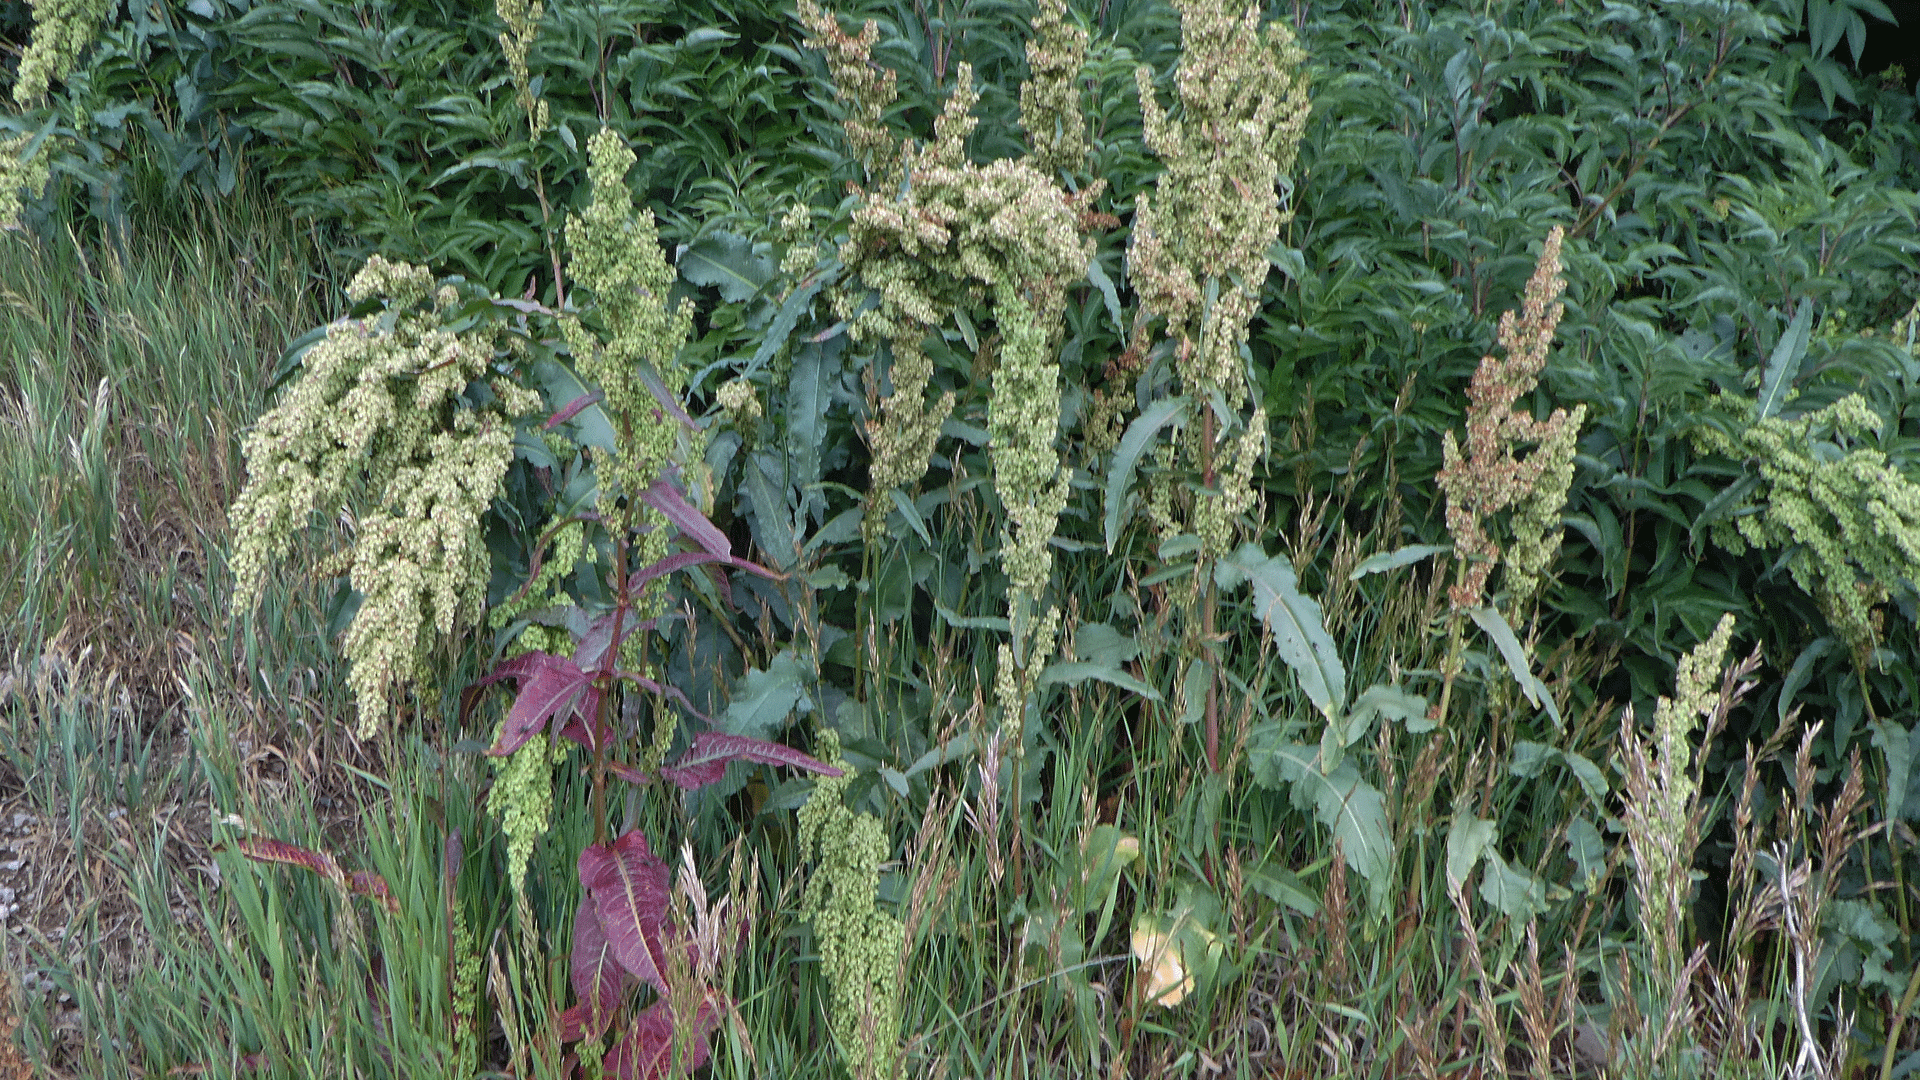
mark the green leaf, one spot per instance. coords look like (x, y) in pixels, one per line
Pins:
(809, 397)
(764, 700)
(972, 622)
(1126, 457)
(1900, 748)
(1393, 560)
(1800, 674)
(1391, 703)
(1467, 839)
(1495, 625)
(1588, 851)
(1514, 893)
(726, 261)
(1097, 275)
(1102, 644)
(1353, 808)
(1193, 691)
(1077, 673)
(561, 386)
(1282, 886)
(1785, 362)
(1297, 626)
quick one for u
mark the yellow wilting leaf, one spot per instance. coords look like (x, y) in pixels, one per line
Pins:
(1167, 981)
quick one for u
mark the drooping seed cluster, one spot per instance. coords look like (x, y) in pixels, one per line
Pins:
(1050, 99)
(62, 29)
(1198, 257)
(1850, 520)
(860, 945)
(21, 180)
(380, 412)
(1489, 477)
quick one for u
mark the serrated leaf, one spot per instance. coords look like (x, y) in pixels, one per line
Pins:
(1126, 458)
(705, 761)
(1393, 560)
(1784, 364)
(727, 262)
(1299, 633)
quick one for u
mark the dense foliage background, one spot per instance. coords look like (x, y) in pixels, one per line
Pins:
(1738, 196)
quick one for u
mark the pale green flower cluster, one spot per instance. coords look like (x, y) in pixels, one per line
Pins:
(523, 25)
(1851, 519)
(1489, 478)
(742, 405)
(863, 87)
(860, 945)
(567, 549)
(1215, 210)
(62, 29)
(961, 234)
(20, 178)
(522, 800)
(1659, 816)
(1050, 100)
(616, 254)
(1199, 250)
(377, 411)
(1022, 417)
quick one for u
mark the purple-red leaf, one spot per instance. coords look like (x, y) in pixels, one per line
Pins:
(597, 979)
(368, 883)
(646, 1051)
(665, 691)
(279, 851)
(630, 890)
(574, 408)
(685, 559)
(705, 762)
(666, 498)
(598, 640)
(583, 724)
(363, 882)
(548, 684)
(651, 380)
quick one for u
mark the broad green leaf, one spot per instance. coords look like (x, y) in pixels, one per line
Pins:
(1513, 892)
(1353, 808)
(1900, 747)
(726, 261)
(972, 622)
(1282, 886)
(1298, 630)
(1126, 458)
(1784, 364)
(1102, 644)
(1077, 673)
(764, 700)
(561, 386)
(1393, 560)
(1390, 703)
(1588, 851)
(1495, 625)
(809, 397)
(1467, 839)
